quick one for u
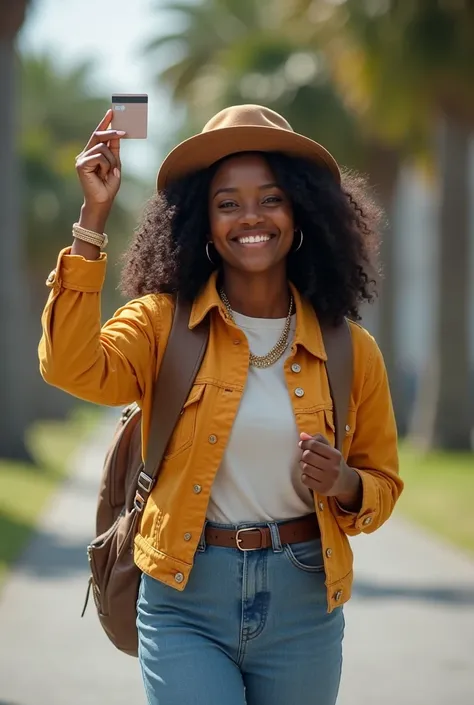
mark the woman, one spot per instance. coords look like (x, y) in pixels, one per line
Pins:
(243, 542)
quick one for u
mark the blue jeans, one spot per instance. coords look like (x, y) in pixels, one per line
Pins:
(250, 628)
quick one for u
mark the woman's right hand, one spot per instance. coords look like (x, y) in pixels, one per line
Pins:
(98, 167)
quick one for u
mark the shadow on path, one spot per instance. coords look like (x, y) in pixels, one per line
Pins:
(48, 556)
(441, 594)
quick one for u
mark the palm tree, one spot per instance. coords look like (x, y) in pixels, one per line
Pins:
(441, 37)
(338, 30)
(406, 69)
(224, 52)
(15, 343)
(451, 424)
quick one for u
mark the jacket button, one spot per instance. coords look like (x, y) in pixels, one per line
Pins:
(197, 489)
(367, 521)
(348, 428)
(212, 439)
(179, 577)
(51, 276)
(329, 552)
(299, 392)
(338, 595)
(321, 505)
(187, 536)
(295, 367)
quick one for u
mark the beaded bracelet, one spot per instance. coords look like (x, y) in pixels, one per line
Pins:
(98, 239)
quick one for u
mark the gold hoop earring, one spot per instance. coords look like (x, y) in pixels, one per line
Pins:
(207, 253)
(301, 240)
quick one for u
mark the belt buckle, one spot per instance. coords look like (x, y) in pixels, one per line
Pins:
(238, 540)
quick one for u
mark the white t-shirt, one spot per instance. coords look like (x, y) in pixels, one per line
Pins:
(260, 478)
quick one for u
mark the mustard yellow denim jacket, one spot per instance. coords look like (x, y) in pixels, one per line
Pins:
(117, 364)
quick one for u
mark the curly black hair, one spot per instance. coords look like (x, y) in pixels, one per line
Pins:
(335, 268)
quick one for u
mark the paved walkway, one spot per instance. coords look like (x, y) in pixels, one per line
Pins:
(409, 627)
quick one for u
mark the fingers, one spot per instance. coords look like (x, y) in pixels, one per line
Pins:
(319, 462)
(102, 149)
(115, 150)
(322, 439)
(103, 134)
(318, 447)
(98, 156)
(106, 120)
(310, 460)
(314, 478)
(114, 145)
(305, 436)
(94, 162)
(112, 139)
(320, 478)
(317, 437)
(105, 137)
(104, 124)
(311, 482)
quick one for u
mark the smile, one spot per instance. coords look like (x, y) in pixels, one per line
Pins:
(253, 239)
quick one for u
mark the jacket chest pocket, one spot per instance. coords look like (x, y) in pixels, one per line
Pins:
(349, 429)
(183, 433)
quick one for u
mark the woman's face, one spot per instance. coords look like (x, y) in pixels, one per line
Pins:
(251, 218)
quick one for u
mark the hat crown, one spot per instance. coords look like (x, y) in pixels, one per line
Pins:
(241, 128)
(247, 116)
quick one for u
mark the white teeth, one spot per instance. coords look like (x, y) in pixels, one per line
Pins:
(248, 239)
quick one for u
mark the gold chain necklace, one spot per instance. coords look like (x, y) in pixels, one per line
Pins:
(278, 349)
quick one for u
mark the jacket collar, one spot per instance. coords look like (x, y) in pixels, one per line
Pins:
(308, 331)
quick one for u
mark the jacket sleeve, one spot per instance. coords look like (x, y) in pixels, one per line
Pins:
(106, 365)
(373, 453)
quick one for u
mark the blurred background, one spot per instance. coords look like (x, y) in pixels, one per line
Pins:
(386, 85)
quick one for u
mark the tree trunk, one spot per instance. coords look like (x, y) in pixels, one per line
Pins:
(16, 358)
(444, 417)
(384, 169)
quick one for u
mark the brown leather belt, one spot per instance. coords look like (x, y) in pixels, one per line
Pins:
(255, 538)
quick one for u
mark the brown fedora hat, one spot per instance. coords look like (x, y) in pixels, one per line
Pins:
(241, 128)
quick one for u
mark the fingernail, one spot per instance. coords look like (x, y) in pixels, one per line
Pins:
(303, 477)
(300, 444)
(117, 173)
(121, 133)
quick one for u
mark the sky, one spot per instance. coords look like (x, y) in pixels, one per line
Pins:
(113, 34)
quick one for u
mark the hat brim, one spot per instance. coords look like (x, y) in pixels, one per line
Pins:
(203, 150)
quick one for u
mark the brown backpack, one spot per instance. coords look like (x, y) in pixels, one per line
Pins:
(127, 482)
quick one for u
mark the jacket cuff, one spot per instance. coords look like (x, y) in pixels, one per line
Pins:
(77, 273)
(356, 522)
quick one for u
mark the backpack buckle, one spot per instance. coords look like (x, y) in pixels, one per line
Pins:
(145, 482)
(139, 502)
(127, 412)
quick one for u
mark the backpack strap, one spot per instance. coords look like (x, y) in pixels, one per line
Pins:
(338, 344)
(179, 367)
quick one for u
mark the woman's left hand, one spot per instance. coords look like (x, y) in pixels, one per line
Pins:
(324, 470)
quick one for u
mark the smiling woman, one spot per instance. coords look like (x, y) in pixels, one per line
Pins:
(251, 221)
(324, 237)
(242, 542)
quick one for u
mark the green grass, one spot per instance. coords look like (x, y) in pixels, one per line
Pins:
(439, 487)
(439, 493)
(26, 487)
